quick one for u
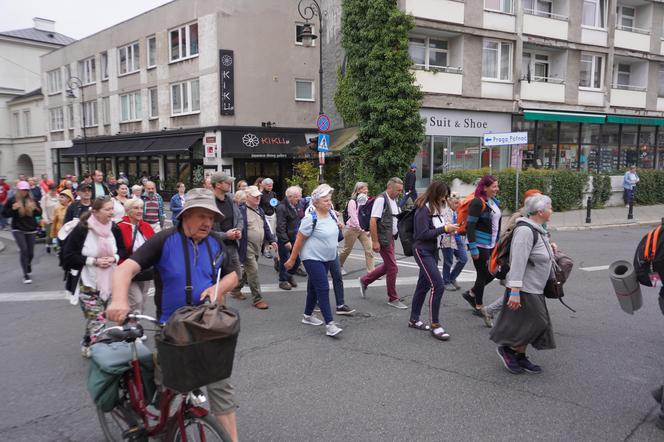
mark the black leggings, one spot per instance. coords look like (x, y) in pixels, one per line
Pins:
(483, 276)
(26, 244)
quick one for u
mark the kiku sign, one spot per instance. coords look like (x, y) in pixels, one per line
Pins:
(227, 81)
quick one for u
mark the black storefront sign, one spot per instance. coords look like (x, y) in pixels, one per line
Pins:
(227, 81)
(263, 144)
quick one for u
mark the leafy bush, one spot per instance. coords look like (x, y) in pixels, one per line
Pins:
(650, 189)
(601, 190)
(305, 175)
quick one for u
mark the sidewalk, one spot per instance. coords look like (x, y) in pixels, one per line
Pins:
(607, 217)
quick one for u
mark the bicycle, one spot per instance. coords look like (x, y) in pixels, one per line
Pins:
(179, 416)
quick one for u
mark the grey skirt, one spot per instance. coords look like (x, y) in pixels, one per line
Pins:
(530, 324)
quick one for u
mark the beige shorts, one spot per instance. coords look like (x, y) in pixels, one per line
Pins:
(221, 396)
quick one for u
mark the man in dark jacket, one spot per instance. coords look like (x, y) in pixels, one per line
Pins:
(409, 190)
(77, 208)
(232, 221)
(99, 187)
(288, 223)
(269, 202)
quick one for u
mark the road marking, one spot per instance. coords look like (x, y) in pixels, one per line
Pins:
(34, 296)
(594, 269)
(407, 264)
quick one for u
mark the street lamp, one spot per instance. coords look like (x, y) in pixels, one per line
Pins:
(76, 83)
(308, 9)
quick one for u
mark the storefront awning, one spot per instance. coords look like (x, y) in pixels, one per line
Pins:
(635, 120)
(170, 144)
(566, 117)
(341, 138)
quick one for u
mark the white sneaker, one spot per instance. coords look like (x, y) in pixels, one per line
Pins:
(311, 320)
(343, 271)
(27, 280)
(397, 304)
(332, 329)
(85, 351)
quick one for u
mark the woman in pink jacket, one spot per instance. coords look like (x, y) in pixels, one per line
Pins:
(354, 231)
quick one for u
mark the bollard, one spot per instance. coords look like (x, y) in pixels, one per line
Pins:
(626, 286)
(589, 205)
(630, 213)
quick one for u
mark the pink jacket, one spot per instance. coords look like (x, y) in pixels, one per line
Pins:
(353, 221)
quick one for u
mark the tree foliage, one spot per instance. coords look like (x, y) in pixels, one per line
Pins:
(377, 93)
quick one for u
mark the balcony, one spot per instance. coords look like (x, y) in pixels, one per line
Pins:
(451, 11)
(447, 80)
(628, 96)
(497, 89)
(632, 38)
(499, 21)
(545, 24)
(543, 89)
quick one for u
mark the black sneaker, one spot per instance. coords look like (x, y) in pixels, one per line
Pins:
(657, 394)
(469, 298)
(363, 288)
(528, 366)
(508, 358)
(345, 310)
(29, 268)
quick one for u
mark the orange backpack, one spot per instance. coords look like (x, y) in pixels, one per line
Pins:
(462, 213)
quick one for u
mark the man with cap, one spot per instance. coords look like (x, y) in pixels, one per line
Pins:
(77, 208)
(255, 234)
(409, 190)
(191, 244)
(232, 222)
(4, 194)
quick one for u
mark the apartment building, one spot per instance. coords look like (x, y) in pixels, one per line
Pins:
(22, 135)
(584, 78)
(184, 89)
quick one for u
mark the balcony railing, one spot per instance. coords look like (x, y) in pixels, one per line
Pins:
(434, 69)
(539, 79)
(630, 87)
(546, 14)
(632, 29)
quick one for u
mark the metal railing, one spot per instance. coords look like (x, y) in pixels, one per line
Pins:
(633, 29)
(447, 69)
(630, 87)
(546, 14)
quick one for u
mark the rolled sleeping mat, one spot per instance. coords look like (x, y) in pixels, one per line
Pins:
(626, 286)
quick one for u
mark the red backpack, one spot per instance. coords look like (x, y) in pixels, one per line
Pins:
(462, 213)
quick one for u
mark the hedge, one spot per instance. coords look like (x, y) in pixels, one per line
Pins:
(566, 188)
(650, 189)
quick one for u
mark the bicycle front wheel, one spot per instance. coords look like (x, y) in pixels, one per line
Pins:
(119, 426)
(199, 429)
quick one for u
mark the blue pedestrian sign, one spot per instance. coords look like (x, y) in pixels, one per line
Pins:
(323, 143)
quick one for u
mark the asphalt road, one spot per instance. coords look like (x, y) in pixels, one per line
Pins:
(379, 380)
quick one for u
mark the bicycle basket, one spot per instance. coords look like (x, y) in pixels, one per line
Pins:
(109, 361)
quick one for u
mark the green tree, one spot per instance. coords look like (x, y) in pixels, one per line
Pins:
(377, 92)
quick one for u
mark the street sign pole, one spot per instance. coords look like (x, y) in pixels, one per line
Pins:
(514, 139)
(324, 125)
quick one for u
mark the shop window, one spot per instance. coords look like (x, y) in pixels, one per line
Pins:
(547, 136)
(646, 147)
(569, 146)
(609, 148)
(464, 153)
(628, 146)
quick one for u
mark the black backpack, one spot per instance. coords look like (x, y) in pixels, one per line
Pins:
(406, 229)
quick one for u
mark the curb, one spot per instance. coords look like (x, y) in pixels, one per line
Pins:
(605, 226)
(2, 246)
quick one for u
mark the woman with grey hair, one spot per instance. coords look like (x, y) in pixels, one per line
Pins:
(354, 232)
(317, 243)
(137, 191)
(524, 318)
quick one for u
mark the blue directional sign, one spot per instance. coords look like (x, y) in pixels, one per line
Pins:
(323, 143)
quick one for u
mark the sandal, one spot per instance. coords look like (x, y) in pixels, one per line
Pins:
(438, 332)
(418, 325)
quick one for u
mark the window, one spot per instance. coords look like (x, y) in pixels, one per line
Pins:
(592, 71)
(16, 118)
(56, 119)
(536, 66)
(594, 13)
(130, 106)
(70, 115)
(184, 42)
(497, 60)
(103, 61)
(304, 90)
(660, 81)
(89, 112)
(106, 110)
(129, 59)
(153, 102)
(86, 69)
(185, 98)
(538, 7)
(152, 51)
(499, 5)
(623, 72)
(54, 81)
(625, 18)
(298, 31)
(428, 52)
(27, 126)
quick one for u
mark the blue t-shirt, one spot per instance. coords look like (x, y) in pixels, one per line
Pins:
(164, 252)
(321, 243)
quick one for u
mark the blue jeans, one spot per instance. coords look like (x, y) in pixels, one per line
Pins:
(284, 254)
(451, 273)
(412, 195)
(318, 289)
(337, 281)
(429, 280)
